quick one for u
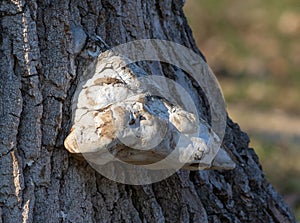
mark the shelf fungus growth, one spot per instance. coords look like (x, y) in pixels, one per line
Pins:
(120, 114)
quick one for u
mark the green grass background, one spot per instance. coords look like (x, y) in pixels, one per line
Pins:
(254, 49)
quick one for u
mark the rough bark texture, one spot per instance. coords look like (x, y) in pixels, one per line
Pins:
(41, 182)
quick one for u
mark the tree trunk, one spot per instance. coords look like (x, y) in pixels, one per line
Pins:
(40, 181)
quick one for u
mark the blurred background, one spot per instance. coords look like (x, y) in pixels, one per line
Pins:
(254, 49)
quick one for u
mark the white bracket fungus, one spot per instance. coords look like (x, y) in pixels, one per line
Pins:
(113, 114)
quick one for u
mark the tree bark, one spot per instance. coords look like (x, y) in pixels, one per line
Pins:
(40, 181)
